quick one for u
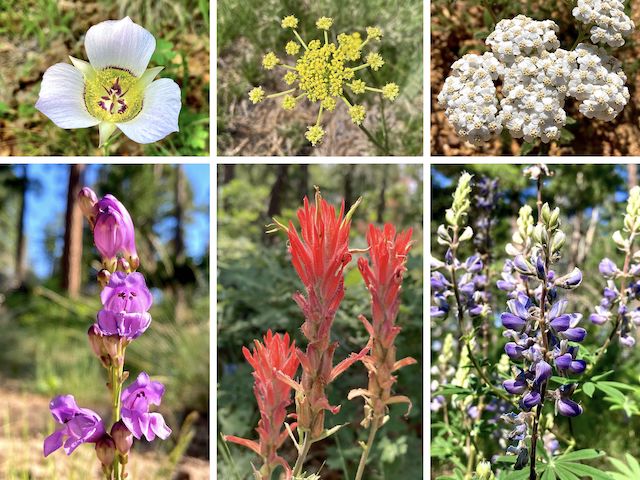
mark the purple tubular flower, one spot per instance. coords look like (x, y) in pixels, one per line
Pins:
(113, 232)
(136, 399)
(80, 425)
(568, 407)
(473, 264)
(543, 372)
(514, 351)
(574, 334)
(515, 387)
(607, 268)
(126, 300)
(570, 280)
(561, 323)
(512, 322)
(530, 400)
(627, 340)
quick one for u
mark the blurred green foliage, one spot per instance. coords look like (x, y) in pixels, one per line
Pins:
(36, 34)
(247, 29)
(256, 282)
(590, 197)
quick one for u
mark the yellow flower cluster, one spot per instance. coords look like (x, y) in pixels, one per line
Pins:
(323, 71)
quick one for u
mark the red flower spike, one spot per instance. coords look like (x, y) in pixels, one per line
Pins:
(383, 278)
(274, 363)
(319, 254)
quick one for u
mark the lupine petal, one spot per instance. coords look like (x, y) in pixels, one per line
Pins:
(62, 97)
(159, 115)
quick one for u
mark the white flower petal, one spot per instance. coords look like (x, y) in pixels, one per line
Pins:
(119, 43)
(62, 97)
(159, 115)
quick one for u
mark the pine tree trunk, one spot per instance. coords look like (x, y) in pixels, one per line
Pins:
(72, 253)
(20, 242)
(632, 170)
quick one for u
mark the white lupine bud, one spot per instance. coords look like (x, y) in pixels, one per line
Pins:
(466, 235)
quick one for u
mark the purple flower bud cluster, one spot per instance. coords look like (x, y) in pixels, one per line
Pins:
(615, 303)
(124, 316)
(472, 286)
(485, 202)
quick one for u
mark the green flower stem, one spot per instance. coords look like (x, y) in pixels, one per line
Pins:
(284, 65)
(582, 34)
(385, 151)
(360, 67)
(365, 452)
(319, 115)
(372, 89)
(276, 95)
(326, 37)
(295, 32)
(117, 382)
(302, 454)
(108, 143)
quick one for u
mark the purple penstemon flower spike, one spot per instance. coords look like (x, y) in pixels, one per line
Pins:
(622, 285)
(124, 316)
(542, 334)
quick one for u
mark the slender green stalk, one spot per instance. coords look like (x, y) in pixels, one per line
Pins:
(302, 454)
(365, 452)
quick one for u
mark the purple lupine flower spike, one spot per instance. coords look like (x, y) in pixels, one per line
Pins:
(126, 300)
(136, 399)
(80, 425)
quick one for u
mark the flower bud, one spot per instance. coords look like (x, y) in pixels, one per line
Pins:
(545, 213)
(443, 236)
(97, 345)
(122, 437)
(466, 234)
(111, 344)
(619, 241)
(123, 265)
(88, 201)
(570, 280)
(451, 217)
(106, 450)
(103, 277)
(483, 471)
(558, 241)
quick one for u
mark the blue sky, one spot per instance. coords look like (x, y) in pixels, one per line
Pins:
(46, 206)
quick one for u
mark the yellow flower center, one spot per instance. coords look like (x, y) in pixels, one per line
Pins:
(322, 72)
(113, 95)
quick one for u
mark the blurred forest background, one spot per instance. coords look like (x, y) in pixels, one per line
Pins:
(461, 27)
(36, 34)
(247, 29)
(49, 296)
(592, 201)
(256, 282)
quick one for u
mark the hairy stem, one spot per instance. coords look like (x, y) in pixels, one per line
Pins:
(375, 425)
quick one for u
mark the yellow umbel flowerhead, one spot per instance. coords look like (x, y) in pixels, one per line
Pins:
(325, 72)
(324, 23)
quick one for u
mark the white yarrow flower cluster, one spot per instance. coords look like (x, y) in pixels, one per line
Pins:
(537, 77)
(599, 83)
(469, 98)
(522, 36)
(534, 90)
(610, 24)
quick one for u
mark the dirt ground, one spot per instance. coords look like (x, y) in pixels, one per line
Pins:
(620, 137)
(25, 422)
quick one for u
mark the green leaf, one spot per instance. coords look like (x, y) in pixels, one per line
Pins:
(570, 120)
(605, 374)
(548, 474)
(582, 470)
(585, 454)
(588, 389)
(525, 148)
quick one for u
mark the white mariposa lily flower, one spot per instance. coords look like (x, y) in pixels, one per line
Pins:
(114, 89)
